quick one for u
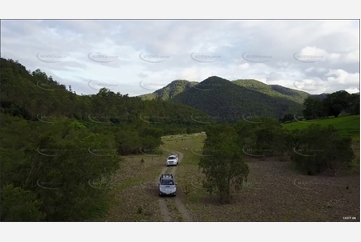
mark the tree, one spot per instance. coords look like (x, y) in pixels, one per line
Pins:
(336, 102)
(222, 163)
(287, 118)
(354, 104)
(314, 108)
(319, 148)
(263, 139)
(19, 205)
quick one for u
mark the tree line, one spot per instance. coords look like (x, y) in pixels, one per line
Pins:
(312, 150)
(332, 104)
(59, 149)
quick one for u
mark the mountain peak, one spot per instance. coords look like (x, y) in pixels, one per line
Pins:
(169, 91)
(215, 78)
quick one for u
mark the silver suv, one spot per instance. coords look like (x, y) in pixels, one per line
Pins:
(167, 185)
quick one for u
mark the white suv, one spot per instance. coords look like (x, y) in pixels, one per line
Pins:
(172, 160)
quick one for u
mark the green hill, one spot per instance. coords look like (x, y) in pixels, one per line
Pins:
(227, 101)
(33, 94)
(273, 90)
(233, 100)
(347, 125)
(169, 91)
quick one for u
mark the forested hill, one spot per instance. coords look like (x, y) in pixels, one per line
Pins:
(273, 90)
(36, 95)
(169, 91)
(225, 100)
(178, 86)
(58, 149)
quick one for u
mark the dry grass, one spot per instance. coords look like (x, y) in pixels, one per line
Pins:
(134, 194)
(275, 191)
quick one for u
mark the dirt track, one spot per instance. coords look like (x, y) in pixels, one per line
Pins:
(177, 201)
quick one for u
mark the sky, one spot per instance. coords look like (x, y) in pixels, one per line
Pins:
(136, 57)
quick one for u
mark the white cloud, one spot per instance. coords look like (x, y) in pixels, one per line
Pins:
(322, 51)
(342, 77)
(244, 66)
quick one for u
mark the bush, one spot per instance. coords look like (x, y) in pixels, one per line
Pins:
(19, 205)
(223, 166)
(319, 148)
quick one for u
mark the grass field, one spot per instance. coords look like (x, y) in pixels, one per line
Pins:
(275, 191)
(346, 125)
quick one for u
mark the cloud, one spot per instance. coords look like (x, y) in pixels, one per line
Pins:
(122, 53)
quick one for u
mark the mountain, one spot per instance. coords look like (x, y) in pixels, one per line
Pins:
(169, 91)
(229, 101)
(179, 86)
(320, 96)
(273, 90)
(35, 95)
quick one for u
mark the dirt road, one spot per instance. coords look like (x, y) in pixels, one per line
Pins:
(167, 215)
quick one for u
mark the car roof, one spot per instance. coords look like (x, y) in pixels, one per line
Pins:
(167, 176)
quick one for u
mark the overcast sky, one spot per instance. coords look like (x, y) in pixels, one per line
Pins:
(140, 56)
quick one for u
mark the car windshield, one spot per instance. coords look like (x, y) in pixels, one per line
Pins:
(167, 182)
(171, 158)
